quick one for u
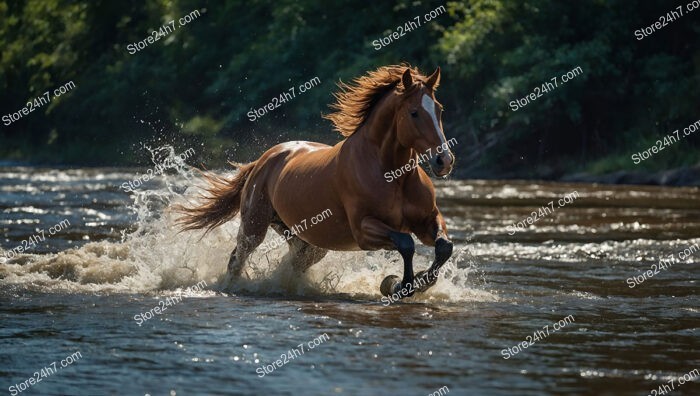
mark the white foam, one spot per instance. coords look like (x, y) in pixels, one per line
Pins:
(157, 258)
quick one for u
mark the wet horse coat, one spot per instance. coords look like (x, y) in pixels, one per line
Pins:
(388, 116)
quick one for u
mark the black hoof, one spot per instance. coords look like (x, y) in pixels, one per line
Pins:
(387, 286)
(405, 290)
(392, 286)
(425, 280)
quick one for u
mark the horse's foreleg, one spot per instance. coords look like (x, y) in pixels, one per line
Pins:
(374, 234)
(407, 248)
(433, 233)
(427, 278)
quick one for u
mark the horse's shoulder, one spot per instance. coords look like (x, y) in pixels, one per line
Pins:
(419, 187)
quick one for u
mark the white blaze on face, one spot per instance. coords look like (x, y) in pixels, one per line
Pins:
(429, 106)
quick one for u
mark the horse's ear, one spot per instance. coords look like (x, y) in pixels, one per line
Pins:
(406, 79)
(434, 80)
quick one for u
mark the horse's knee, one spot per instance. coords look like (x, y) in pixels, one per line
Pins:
(404, 243)
(248, 240)
(443, 249)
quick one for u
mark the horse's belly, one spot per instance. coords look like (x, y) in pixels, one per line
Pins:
(318, 221)
(329, 234)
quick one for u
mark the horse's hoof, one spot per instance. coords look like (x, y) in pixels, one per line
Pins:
(388, 285)
(226, 282)
(424, 280)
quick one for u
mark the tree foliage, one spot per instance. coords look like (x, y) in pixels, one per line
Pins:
(194, 87)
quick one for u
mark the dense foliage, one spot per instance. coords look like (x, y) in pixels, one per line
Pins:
(194, 86)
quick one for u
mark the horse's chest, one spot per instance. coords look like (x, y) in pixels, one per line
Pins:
(397, 210)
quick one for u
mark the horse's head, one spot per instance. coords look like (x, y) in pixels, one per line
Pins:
(419, 122)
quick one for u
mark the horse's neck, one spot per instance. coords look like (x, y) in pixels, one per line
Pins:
(379, 134)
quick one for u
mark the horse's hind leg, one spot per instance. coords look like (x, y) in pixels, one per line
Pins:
(256, 215)
(301, 254)
(247, 240)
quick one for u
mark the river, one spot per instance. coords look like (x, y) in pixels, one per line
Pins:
(544, 308)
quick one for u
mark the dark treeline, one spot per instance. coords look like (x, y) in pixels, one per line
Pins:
(195, 85)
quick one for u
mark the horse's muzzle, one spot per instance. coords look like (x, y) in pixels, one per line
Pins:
(441, 164)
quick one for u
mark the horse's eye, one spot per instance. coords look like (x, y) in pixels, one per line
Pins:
(414, 114)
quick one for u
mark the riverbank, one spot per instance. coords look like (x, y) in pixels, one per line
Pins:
(687, 176)
(683, 176)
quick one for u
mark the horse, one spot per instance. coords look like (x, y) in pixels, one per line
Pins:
(369, 182)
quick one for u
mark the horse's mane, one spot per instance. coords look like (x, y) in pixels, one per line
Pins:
(354, 101)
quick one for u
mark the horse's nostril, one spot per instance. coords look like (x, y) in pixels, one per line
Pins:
(439, 161)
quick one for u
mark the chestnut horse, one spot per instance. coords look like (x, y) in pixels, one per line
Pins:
(389, 117)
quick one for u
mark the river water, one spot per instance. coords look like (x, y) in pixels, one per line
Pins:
(560, 284)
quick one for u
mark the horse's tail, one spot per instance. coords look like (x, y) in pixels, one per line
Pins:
(221, 204)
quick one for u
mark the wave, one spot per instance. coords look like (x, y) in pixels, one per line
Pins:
(157, 258)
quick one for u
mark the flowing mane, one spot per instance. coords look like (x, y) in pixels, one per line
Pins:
(354, 101)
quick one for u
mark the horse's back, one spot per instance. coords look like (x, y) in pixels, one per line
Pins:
(311, 153)
(295, 158)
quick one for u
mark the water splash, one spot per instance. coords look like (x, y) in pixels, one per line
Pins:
(154, 257)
